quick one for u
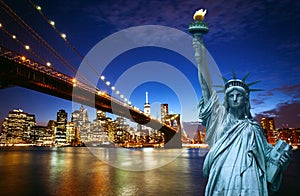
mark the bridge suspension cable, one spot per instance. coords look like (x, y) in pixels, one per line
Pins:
(54, 52)
(63, 36)
(42, 41)
(27, 47)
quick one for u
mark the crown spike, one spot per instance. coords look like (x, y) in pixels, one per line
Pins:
(252, 83)
(233, 74)
(245, 77)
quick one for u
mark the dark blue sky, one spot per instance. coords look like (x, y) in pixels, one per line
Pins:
(261, 37)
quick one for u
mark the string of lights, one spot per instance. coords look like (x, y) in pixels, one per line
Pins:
(44, 43)
(26, 46)
(64, 37)
(41, 41)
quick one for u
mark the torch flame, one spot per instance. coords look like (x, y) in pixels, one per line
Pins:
(199, 15)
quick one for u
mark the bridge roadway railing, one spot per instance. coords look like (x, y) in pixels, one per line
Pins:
(49, 70)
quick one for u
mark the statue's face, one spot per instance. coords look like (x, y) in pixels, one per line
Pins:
(236, 99)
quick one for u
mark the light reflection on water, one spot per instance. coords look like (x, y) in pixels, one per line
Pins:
(76, 171)
(136, 159)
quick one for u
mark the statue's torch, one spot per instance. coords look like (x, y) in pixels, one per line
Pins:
(198, 28)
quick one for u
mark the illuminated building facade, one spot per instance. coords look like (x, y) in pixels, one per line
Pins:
(164, 111)
(101, 115)
(16, 127)
(82, 124)
(61, 128)
(42, 136)
(268, 125)
(290, 135)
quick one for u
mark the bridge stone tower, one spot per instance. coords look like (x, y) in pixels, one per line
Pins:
(173, 120)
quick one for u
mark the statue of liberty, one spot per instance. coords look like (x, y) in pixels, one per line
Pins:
(240, 160)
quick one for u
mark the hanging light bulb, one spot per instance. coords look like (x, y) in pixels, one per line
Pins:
(38, 8)
(64, 36)
(52, 22)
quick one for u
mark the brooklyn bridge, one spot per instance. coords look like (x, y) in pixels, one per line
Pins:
(23, 63)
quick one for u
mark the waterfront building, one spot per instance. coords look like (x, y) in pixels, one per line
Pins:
(290, 135)
(121, 136)
(121, 122)
(99, 132)
(71, 134)
(16, 127)
(61, 128)
(268, 125)
(82, 124)
(111, 127)
(42, 136)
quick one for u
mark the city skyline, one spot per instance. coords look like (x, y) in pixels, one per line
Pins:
(245, 36)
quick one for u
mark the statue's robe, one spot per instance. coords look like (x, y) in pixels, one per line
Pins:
(236, 161)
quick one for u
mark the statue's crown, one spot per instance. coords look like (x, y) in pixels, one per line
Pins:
(238, 83)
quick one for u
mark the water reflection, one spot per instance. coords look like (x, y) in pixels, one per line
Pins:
(141, 159)
(76, 171)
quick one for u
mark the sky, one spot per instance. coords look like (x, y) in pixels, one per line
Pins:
(257, 36)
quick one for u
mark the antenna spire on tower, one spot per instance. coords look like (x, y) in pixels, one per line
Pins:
(147, 97)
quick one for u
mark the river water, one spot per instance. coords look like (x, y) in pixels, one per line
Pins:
(80, 171)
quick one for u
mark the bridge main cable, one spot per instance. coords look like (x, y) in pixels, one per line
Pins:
(62, 35)
(42, 41)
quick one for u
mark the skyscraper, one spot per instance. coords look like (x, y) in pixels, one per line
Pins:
(268, 126)
(16, 127)
(82, 124)
(101, 115)
(164, 111)
(61, 123)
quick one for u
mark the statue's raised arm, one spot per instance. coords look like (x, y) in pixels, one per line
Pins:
(198, 28)
(240, 160)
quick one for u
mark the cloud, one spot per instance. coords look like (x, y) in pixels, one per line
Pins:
(290, 90)
(257, 101)
(266, 94)
(284, 113)
(226, 22)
